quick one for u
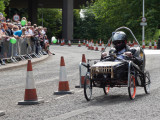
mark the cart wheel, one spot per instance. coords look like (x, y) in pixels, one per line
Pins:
(132, 87)
(106, 90)
(147, 82)
(87, 88)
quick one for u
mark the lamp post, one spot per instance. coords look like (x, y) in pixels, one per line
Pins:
(143, 32)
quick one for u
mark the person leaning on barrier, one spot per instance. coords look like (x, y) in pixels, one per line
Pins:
(3, 37)
(20, 33)
(122, 50)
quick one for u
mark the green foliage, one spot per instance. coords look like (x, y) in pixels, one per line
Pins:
(107, 15)
(52, 19)
(3, 4)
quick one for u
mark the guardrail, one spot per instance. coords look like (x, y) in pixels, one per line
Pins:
(24, 48)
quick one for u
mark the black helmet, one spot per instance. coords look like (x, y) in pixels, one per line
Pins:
(118, 39)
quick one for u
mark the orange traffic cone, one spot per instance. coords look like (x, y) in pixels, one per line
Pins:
(136, 44)
(69, 43)
(143, 44)
(87, 44)
(30, 97)
(102, 49)
(84, 42)
(150, 45)
(79, 43)
(63, 83)
(155, 45)
(82, 71)
(129, 43)
(100, 43)
(61, 42)
(96, 49)
(92, 45)
(58, 42)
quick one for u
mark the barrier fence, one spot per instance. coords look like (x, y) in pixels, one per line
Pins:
(24, 48)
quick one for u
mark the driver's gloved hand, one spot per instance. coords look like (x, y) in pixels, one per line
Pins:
(128, 54)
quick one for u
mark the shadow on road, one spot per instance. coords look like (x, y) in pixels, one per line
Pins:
(114, 99)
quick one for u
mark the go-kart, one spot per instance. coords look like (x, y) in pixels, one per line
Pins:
(116, 72)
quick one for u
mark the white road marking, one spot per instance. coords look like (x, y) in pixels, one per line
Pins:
(59, 97)
(79, 91)
(67, 94)
(72, 113)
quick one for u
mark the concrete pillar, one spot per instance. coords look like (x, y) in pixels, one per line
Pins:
(32, 11)
(67, 23)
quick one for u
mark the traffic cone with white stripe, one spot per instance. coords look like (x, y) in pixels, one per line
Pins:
(58, 42)
(96, 49)
(82, 71)
(109, 44)
(100, 42)
(30, 97)
(61, 42)
(92, 43)
(102, 46)
(79, 43)
(143, 44)
(87, 44)
(155, 45)
(63, 83)
(150, 45)
(84, 42)
(129, 43)
(136, 44)
(69, 43)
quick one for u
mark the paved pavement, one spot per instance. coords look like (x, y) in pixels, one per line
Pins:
(115, 106)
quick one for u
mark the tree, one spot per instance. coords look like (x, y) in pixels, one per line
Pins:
(52, 19)
(111, 14)
(3, 4)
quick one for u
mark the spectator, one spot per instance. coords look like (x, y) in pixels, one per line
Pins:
(15, 28)
(9, 30)
(47, 46)
(20, 33)
(35, 26)
(29, 23)
(4, 37)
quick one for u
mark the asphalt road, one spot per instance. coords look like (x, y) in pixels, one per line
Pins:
(114, 106)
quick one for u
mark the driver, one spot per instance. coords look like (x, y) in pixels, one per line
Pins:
(119, 40)
(121, 49)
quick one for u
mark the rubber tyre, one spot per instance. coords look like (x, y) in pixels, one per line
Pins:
(147, 82)
(132, 87)
(87, 88)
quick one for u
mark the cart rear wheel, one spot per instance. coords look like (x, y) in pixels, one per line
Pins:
(106, 90)
(132, 87)
(87, 88)
(147, 82)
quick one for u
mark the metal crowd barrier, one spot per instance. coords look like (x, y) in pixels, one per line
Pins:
(24, 48)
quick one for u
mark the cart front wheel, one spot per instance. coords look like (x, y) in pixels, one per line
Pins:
(87, 88)
(147, 82)
(106, 90)
(132, 87)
